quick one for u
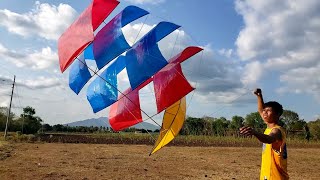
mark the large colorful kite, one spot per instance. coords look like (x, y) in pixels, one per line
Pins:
(143, 61)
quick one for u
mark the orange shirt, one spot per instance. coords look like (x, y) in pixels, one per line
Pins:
(274, 163)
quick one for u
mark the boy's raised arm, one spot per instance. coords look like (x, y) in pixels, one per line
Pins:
(258, 93)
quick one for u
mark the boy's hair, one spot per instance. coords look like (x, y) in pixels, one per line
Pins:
(276, 107)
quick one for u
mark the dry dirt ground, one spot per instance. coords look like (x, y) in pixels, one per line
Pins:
(92, 161)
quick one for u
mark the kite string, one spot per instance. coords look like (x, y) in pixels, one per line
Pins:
(140, 30)
(152, 65)
(179, 100)
(95, 73)
(149, 117)
(236, 98)
(143, 127)
(124, 95)
(174, 45)
(201, 59)
(245, 87)
(125, 105)
(156, 57)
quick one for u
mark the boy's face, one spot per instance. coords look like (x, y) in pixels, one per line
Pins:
(269, 116)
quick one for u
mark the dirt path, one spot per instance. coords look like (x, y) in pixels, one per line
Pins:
(91, 161)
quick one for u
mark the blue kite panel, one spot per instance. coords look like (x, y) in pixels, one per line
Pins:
(88, 53)
(157, 33)
(103, 91)
(110, 41)
(131, 13)
(119, 64)
(144, 59)
(79, 75)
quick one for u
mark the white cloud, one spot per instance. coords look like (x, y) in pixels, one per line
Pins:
(302, 80)
(37, 60)
(273, 28)
(133, 32)
(252, 72)
(303, 58)
(45, 20)
(39, 83)
(285, 37)
(226, 52)
(229, 97)
(36, 83)
(145, 1)
(44, 59)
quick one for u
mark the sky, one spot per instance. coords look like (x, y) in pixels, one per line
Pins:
(248, 44)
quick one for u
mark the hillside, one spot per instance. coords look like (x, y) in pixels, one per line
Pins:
(103, 121)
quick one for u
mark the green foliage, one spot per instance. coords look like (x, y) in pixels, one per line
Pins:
(254, 120)
(3, 119)
(220, 126)
(58, 128)
(28, 112)
(29, 122)
(205, 126)
(131, 129)
(194, 126)
(47, 128)
(236, 122)
(208, 126)
(298, 125)
(292, 121)
(314, 127)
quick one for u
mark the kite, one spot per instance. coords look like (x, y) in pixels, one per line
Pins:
(107, 47)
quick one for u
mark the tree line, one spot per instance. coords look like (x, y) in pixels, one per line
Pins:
(29, 123)
(290, 120)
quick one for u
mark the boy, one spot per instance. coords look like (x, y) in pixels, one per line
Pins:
(274, 151)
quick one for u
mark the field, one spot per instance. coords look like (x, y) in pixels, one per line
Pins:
(119, 161)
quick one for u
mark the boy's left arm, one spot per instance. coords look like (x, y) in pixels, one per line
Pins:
(275, 135)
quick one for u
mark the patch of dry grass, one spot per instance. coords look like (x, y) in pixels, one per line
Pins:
(105, 161)
(5, 149)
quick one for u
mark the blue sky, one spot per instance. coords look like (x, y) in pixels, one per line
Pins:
(248, 44)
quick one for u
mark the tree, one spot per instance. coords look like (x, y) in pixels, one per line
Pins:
(291, 121)
(298, 125)
(193, 126)
(208, 128)
(254, 120)
(220, 126)
(47, 127)
(314, 127)
(3, 119)
(31, 123)
(236, 122)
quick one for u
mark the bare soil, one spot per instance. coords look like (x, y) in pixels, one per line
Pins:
(105, 161)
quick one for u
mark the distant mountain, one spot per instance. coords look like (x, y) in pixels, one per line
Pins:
(104, 122)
